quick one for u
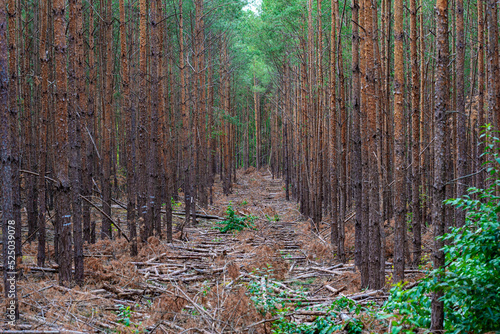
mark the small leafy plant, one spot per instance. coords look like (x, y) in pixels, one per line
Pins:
(234, 222)
(264, 295)
(275, 218)
(124, 315)
(175, 205)
(270, 299)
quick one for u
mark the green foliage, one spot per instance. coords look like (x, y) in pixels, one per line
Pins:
(124, 315)
(275, 218)
(205, 288)
(470, 280)
(175, 205)
(412, 307)
(263, 293)
(270, 299)
(233, 222)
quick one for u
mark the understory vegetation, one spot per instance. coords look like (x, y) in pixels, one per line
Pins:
(470, 279)
(235, 222)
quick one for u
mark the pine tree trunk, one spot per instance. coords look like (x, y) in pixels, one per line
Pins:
(493, 66)
(332, 140)
(415, 127)
(130, 142)
(256, 103)
(365, 207)
(356, 139)
(89, 137)
(152, 193)
(78, 102)
(8, 223)
(142, 123)
(13, 15)
(399, 126)
(461, 125)
(441, 107)
(186, 133)
(370, 109)
(480, 97)
(43, 131)
(63, 200)
(107, 126)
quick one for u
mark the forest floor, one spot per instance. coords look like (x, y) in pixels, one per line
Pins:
(211, 282)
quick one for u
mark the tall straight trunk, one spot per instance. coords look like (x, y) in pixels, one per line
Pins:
(142, 120)
(78, 102)
(107, 126)
(256, 104)
(13, 15)
(28, 54)
(461, 119)
(186, 133)
(247, 135)
(480, 97)
(365, 204)
(371, 111)
(7, 200)
(286, 132)
(332, 140)
(342, 121)
(493, 66)
(61, 144)
(423, 127)
(415, 128)
(163, 164)
(171, 148)
(196, 98)
(228, 157)
(202, 128)
(399, 139)
(152, 215)
(389, 119)
(312, 119)
(43, 126)
(356, 139)
(441, 107)
(211, 127)
(91, 149)
(130, 142)
(319, 120)
(226, 126)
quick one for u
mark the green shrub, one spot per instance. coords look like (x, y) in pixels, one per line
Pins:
(270, 299)
(471, 277)
(233, 222)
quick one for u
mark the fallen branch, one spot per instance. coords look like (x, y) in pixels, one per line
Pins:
(28, 331)
(333, 290)
(42, 269)
(198, 215)
(108, 217)
(36, 174)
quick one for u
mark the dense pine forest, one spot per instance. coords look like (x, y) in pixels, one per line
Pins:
(213, 166)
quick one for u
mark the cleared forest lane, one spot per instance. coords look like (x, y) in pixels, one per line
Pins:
(204, 279)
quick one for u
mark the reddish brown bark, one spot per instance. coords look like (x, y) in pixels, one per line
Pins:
(399, 145)
(61, 144)
(441, 107)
